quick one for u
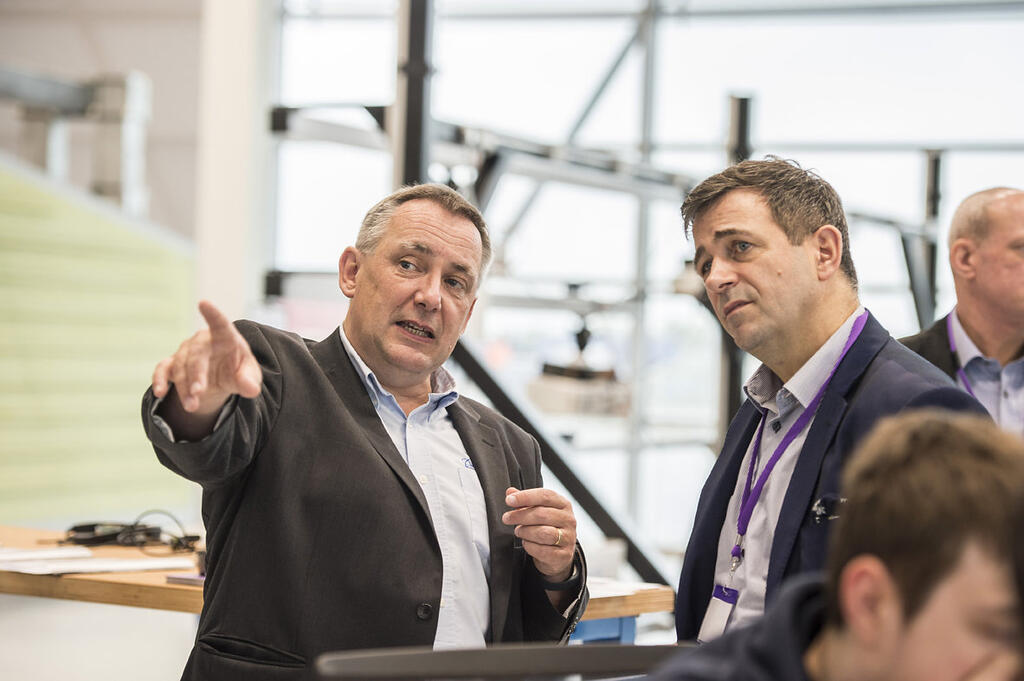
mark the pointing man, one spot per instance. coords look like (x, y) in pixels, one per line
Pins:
(352, 498)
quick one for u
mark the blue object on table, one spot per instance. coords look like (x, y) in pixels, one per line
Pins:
(611, 629)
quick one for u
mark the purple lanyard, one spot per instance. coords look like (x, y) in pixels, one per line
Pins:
(751, 494)
(956, 358)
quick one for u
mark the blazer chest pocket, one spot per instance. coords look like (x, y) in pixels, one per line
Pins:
(819, 522)
(826, 508)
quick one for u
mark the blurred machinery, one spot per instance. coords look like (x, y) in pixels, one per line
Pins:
(578, 388)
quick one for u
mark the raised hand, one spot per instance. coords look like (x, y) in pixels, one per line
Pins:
(546, 524)
(207, 369)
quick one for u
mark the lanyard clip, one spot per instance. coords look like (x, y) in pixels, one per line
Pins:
(737, 553)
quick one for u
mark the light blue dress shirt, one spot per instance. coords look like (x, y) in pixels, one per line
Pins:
(999, 388)
(428, 442)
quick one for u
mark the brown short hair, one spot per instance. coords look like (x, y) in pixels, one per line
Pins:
(378, 217)
(919, 488)
(800, 200)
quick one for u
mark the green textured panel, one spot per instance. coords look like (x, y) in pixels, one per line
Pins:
(89, 302)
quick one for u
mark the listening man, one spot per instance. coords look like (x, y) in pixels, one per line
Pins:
(773, 250)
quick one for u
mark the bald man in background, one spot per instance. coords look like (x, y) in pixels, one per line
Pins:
(980, 344)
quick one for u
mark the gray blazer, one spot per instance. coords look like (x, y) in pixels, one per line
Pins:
(318, 536)
(933, 345)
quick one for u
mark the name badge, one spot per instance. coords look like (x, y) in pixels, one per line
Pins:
(723, 600)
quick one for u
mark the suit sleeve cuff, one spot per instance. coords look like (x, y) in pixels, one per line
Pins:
(165, 428)
(570, 584)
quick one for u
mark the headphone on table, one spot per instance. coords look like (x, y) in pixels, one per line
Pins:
(131, 534)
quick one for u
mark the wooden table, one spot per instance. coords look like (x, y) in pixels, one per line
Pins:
(612, 601)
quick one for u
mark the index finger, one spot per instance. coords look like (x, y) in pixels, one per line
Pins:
(538, 496)
(215, 319)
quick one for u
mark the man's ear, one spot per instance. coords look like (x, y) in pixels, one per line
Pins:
(348, 267)
(469, 314)
(828, 250)
(870, 602)
(961, 258)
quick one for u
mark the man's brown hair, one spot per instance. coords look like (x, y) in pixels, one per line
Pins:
(800, 200)
(919, 488)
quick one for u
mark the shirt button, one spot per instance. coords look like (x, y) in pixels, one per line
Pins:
(424, 611)
(423, 479)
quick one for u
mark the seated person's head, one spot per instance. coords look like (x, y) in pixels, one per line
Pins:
(919, 581)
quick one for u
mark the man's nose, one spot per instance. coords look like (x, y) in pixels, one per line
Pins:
(428, 294)
(721, 276)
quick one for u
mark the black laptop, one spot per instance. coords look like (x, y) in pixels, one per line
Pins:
(533, 661)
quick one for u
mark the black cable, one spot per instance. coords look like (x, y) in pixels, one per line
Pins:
(181, 542)
(132, 534)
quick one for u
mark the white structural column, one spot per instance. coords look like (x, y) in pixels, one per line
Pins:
(232, 226)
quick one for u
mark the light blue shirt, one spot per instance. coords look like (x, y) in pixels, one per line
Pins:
(999, 388)
(428, 442)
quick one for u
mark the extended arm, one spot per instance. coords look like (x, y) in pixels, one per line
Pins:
(199, 378)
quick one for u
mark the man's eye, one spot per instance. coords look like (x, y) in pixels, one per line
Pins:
(742, 246)
(455, 283)
(704, 268)
(405, 265)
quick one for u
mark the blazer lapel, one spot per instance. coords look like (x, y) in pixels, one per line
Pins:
(492, 469)
(331, 356)
(721, 482)
(819, 440)
(940, 354)
(698, 573)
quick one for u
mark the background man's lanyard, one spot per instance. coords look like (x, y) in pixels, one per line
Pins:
(751, 494)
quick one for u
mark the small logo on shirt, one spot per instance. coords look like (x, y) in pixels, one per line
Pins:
(468, 463)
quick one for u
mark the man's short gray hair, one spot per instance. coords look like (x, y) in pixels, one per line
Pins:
(378, 217)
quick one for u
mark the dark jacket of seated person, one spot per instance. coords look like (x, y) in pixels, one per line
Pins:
(919, 582)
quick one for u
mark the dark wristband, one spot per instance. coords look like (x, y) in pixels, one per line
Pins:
(572, 583)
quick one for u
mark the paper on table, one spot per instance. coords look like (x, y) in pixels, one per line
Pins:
(605, 587)
(190, 578)
(52, 553)
(78, 565)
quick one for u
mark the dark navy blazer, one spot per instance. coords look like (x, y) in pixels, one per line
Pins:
(878, 377)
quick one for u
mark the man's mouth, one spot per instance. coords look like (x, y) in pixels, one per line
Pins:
(733, 306)
(416, 329)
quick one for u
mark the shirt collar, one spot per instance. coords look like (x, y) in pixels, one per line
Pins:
(442, 383)
(966, 350)
(764, 386)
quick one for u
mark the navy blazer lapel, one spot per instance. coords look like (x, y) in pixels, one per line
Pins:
(830, 414)
(721, 481)
(492, 469)
(331, 356)
(698, 573)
